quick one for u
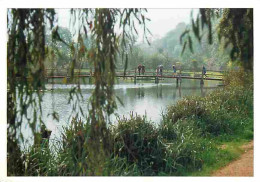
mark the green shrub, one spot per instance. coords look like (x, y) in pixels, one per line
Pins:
(183, 145)
(137, 140)
(167, 150)
(39, 161)
(74, 149)
(191, 106)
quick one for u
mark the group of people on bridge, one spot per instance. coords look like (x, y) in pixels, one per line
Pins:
(141, 69)
(159, 70)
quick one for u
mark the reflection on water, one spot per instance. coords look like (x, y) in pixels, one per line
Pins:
(153, 99)
(140, 92)
(143, 98)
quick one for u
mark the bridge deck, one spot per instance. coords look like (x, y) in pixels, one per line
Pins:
(144, 76)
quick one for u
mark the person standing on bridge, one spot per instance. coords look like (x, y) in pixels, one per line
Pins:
(161, 69)
(157, 70)
(143, 69)
(139, 68)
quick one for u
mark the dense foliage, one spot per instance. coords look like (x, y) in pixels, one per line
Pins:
(235, 28)
(214, 112)
(61, 53)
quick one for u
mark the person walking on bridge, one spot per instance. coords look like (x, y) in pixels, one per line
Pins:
(174, 70)
(204, 71)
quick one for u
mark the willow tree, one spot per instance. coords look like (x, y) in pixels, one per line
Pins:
(27, 51)
(235, 29)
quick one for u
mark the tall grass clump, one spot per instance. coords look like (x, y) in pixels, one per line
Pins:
(156, 150)
(74, 152)
(138, 141)
(76, 155)
(39, 161)
(184, 145)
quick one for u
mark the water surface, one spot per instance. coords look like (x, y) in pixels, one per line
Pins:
(142, 98)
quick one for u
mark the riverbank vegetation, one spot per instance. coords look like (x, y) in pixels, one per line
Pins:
(187, 142)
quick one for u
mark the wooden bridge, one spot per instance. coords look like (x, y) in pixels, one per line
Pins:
(134, 75)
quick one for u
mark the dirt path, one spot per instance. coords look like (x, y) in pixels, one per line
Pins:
(244, 166)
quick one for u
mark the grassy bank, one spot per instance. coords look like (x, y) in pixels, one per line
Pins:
(187, 143)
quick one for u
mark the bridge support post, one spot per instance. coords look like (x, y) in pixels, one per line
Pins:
(68, 80)
(156, 80)
(202, 90)
(202, 79)
(178, 80)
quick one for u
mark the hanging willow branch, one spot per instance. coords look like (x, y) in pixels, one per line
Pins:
(25, 58)
(25, 61)
(109, 28)
(106, 28)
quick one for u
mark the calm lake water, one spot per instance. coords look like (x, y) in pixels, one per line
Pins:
(143, 98)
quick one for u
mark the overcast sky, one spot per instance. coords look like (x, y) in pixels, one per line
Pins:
(162, 20)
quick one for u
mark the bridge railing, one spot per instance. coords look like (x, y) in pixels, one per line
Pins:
(80, 73)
